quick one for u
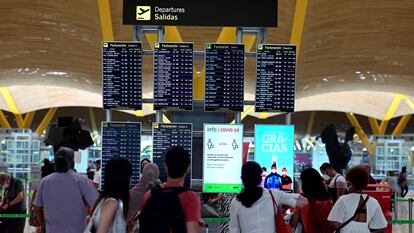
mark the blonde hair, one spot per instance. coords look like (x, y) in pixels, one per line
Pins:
(4, 176)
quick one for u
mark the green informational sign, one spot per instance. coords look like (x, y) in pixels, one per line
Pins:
(222, 160)
(222, 188)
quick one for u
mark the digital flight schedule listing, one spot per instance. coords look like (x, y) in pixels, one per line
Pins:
(122, 75)
(276, 75)
(122, 140)
(166, 136)
(224, 79)
(173, 76)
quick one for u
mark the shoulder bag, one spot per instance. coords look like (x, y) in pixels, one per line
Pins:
(280, 224)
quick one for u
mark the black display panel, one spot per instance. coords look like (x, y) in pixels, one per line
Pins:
(122, 140)
(276, 75)
(122, 75)
(224, 79)
(166, 136)
(236, 13)
(173, 76)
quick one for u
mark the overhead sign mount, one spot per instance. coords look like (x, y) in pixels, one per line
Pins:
(243, 13)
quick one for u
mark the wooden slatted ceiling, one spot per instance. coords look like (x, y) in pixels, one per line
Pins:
(57, 44)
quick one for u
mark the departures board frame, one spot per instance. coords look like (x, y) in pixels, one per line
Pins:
(141, 75)
(257, 76)
(191, 144)
(179, 108)
(205, 78)
(139, 149)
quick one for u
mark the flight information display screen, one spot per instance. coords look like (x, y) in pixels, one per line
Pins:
(173, 76)
(122, 140)
(276, 75)
(122, 75)
(166, 136)
(224, 79)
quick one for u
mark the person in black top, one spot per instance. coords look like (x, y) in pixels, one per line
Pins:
(12, 203)
(286, 180)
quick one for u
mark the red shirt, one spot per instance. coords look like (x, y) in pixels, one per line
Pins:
(190, 203)
(314, 216)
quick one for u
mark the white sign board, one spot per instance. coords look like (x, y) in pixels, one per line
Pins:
(222, 153)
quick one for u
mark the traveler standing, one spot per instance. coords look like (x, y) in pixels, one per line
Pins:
(47, 169)
(148, 180)
(12, 203)
(224, 201)
(62, 197)
(403, 181)
(357, 212)
(253, 209)
(314, 216)
(98, 174)
(336, 183)
(111, 209)
(172, 208)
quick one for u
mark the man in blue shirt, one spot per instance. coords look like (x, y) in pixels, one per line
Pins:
(273, 180)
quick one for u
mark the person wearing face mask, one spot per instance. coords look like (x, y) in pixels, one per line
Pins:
(336, 183)
(12, 203)
(273, 180)
(286, 180)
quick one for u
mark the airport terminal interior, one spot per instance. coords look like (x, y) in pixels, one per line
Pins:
(289, 84)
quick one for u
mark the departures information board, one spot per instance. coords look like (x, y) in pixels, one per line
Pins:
(166, 136)
(173, 76)
(224, 79)
(276, 75)
(122, 75)
(122, 140)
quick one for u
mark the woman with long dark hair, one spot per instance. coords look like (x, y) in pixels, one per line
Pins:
(252, 210)
(111, 209)
(314, 216)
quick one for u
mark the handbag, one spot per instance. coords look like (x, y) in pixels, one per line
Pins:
(353, 216)
(33, 221)
(280, 223)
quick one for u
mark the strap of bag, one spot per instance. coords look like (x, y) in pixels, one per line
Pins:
(273, 201)
(335, 179)
(355, 214)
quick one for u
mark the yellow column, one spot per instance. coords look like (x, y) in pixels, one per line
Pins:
(28, 120)
(351, 117)
(298, 24)
(399, 129)
(46, 120)
(3, 121)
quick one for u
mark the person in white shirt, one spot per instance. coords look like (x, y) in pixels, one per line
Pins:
(357, 212)
(97, 177)
(252, 210)
(336, 182)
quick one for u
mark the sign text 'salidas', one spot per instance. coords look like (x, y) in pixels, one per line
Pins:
(168, 13)
(273, 143)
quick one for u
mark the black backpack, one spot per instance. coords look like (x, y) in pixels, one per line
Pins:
(163, 212)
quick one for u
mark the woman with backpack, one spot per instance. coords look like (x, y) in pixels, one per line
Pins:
(256, 209)
(357, 212)
(111, 209)
(403, 181)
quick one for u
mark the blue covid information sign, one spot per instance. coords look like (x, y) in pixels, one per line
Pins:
(274, 151)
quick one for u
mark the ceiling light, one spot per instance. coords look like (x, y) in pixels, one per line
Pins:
(57, 73)
(325, 80)
(357, 72)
